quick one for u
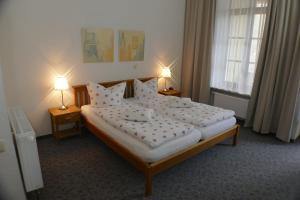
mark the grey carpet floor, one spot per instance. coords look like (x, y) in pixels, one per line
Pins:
(260, 167)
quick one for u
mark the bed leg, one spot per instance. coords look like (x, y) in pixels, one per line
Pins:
(148, 184)
(235, 137)
(234, 143)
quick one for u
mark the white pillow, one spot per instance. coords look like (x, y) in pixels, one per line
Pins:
(103, 97)
(146, 90)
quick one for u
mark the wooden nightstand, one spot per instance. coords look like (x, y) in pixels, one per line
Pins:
(61, 117)
(170, 93)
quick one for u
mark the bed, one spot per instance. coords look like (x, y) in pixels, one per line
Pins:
(149, 162)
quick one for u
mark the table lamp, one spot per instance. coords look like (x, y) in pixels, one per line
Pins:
(61, 84)
(165, 73)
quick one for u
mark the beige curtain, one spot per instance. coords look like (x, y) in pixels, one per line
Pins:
(296, 119)
(197, 48)
(277, 79)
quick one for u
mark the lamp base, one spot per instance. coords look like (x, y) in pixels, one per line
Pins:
(63, 107)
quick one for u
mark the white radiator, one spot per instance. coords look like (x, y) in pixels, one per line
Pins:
(27, 149)
(237, 104)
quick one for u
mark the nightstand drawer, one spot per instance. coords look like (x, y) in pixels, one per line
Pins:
(68, 118)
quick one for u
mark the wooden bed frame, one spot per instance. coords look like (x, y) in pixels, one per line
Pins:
(153, 168)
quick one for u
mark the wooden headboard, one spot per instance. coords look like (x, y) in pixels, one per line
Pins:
(82, 96)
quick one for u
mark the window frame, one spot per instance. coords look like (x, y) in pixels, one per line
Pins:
(243, 11)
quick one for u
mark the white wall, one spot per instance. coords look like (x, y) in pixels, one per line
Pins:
(42, 39)
(11, 187)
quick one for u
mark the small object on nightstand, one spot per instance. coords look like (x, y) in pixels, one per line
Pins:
(61, 117)
(170, 93)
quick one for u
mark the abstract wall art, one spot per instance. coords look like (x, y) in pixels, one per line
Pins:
(131, 45)
(97, 45)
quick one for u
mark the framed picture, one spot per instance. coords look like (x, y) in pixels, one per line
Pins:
(97, 45)
(131, 45)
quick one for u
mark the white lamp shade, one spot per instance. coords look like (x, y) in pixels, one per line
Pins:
(61, 83)
(166, 72)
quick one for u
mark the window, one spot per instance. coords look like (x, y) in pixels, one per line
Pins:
(238, 34)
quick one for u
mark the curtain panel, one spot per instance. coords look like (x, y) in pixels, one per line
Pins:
(197, 48)
(272, 106)
(296, 120)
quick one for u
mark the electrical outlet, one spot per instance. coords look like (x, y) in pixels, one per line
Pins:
(2, 146)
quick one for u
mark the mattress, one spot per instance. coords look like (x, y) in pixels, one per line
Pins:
(217, 128)
(136, 147)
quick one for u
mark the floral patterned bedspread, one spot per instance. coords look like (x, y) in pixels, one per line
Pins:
(155, 132)
(200, 115)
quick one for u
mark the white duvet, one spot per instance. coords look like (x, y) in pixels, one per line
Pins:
(153, 133)
(201, 115)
